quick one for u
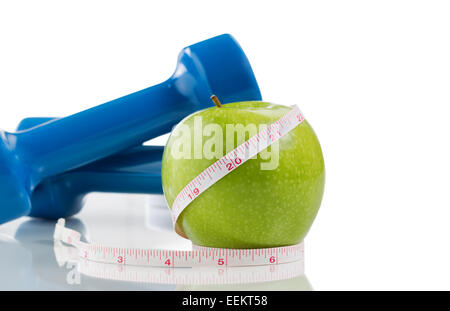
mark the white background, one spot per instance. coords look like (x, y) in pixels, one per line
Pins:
(372, 77)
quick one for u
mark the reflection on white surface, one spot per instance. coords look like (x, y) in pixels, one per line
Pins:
(15, 265)
(157, 216)
(29, 261)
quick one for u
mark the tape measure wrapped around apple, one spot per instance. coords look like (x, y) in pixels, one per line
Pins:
(237, 209)
(265, 202)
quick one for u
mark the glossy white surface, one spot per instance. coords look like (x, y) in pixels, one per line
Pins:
(31, 261)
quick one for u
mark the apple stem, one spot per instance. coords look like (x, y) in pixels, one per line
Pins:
(216, 101)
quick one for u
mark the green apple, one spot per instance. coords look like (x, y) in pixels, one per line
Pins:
(250, 207)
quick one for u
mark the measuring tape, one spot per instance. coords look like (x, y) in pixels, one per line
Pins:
(199, 256)
(200, 275)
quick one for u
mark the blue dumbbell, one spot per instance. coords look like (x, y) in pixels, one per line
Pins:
(215, 66)
(136, 170)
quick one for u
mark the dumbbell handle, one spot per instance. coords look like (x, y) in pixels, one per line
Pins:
(136, 170)
(67, 143)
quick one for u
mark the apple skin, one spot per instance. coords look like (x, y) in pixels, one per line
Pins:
(250, 207)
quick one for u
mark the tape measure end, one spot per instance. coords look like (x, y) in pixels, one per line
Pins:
(61, 222)
(60, 225)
